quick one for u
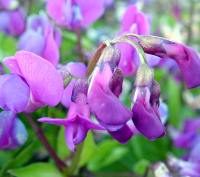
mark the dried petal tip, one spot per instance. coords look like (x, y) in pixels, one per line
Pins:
(111, 55)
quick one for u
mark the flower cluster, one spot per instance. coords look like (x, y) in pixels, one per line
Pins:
(88, 92)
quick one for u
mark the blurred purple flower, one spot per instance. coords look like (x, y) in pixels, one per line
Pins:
(12, 22)
(8, 4)
(146, 115)
(189, 136)
(14, 93)
(74, 14)
(44, 81)
(136, 22)
(72, 71)
(45, 39)
(12, 131)
(183, 167)
(78, 122)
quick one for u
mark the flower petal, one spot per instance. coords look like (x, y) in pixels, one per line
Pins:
(44, 80)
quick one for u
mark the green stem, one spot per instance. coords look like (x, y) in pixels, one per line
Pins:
(125, 39)
(75, 161)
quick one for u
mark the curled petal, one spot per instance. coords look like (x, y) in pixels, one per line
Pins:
(147, 121)
(44, 80)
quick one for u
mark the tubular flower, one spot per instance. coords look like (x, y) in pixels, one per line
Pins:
(70, 73)
(74, 14)
(136, 22)
(78, 122)
(145, 110)
(12, 22)
(14, 93)
(12, 131)
(103, 92)
(45, 83)
(186, 58)
(45, 39)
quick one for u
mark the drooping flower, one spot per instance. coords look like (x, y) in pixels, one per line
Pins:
(44, 81)
(146, 116)
(45, 39)
(14, 93)
(12, 131)
(136, 22)
(75, 14)
(12, 22)
(71, 71)
(186, 58)
(78, 122)
(103, 92)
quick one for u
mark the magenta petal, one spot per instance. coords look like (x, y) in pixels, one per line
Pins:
(51, 51)
(66, 99)
(91, 11)
(190, 68)
(56, 10)
(81, 133)
(76, 69)
(123, 134)
(44, 80)
(69, 137)
(129, 60)
(55, 121)
(134, 17)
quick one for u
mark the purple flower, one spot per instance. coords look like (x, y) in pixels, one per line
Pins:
(186, 58)
(146, 115)
(12, 131)
(136, 22)
(44, 81)
(8, 4)
(103, 92)
(45, 39)
(184, 168)
(189, 136)
(75, 13)
(78, 122)
(12, 22)
(14, 93)
(72, 71)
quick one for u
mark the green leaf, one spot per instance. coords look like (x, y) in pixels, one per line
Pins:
(36, 170)
(107, 153)
(141, 166)
(89, 150)
(23, 156)
(62, 149)
(174, 102)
